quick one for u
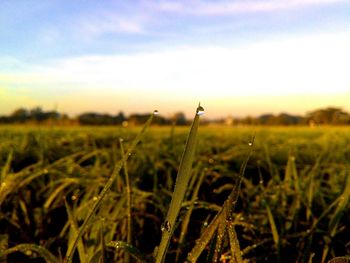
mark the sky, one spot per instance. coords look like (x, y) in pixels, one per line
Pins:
(238, 58)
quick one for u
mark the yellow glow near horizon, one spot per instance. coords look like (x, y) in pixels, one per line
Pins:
(292, 75)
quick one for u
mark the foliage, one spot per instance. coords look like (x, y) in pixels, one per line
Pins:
(292, 204)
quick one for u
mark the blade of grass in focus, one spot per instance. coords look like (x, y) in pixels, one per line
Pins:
(107, 187)
(223, 216)
(187, 217)
(181, 183)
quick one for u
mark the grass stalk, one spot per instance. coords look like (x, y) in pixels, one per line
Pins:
(107, 187)
(181, 183)
(128, 203)
(24, 248)
(224, 215)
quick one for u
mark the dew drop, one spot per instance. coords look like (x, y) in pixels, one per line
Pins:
(250, 143)
(166, 226)
(156, 112)
(95, 198)
(205, 224)
(74, 197)
(121, 139)
(200, 111)
(125, 124)
(261, 182)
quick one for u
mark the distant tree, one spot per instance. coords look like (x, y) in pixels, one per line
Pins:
(119, 118)
(19, 115)
(265, 118)
(285, 119)
(179, 118)
(37, 114)
(249, 120)
(329, 115)
(92, 118)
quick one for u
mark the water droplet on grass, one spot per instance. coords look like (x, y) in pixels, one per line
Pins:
(250, 143)
(166, 226)
(156, 112)
(200, 110)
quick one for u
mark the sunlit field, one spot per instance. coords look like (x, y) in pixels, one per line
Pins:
(254, 194)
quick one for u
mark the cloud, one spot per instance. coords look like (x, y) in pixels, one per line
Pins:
(235, 7)
(285, 68)
(291, 66)
(104, 23)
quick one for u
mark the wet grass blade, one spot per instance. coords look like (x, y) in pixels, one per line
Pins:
(24, 248)
(133, 251)
(223, 215)
(219, 241)
(273, 226)
(343, 201)
(129, 202)
(187, 217)
(107, 187)
(181, 183)
(234, 243)
(75, 232)
(6, 168)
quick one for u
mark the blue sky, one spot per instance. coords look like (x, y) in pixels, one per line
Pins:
(237, 57)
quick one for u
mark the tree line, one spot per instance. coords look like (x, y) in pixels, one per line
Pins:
(324, 116)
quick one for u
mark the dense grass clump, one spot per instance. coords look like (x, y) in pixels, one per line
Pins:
(103, 194)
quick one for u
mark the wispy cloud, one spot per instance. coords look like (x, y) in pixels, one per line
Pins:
(234, 7)
(109, 23)
(308, 64)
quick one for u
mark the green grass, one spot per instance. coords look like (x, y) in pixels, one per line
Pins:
(80, 187)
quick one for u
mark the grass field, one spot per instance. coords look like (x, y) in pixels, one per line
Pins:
(291, 205)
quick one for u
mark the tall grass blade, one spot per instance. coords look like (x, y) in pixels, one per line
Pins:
(75, 232)
(220, 241)
(6, 168)
(24, 248)
(234, 243)
(343, 201)
(133, 251)
(273, 226)
(129, 202)
(181, 183)
(187, 217)
(224, 214)
(311, 188)
(107, 186)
